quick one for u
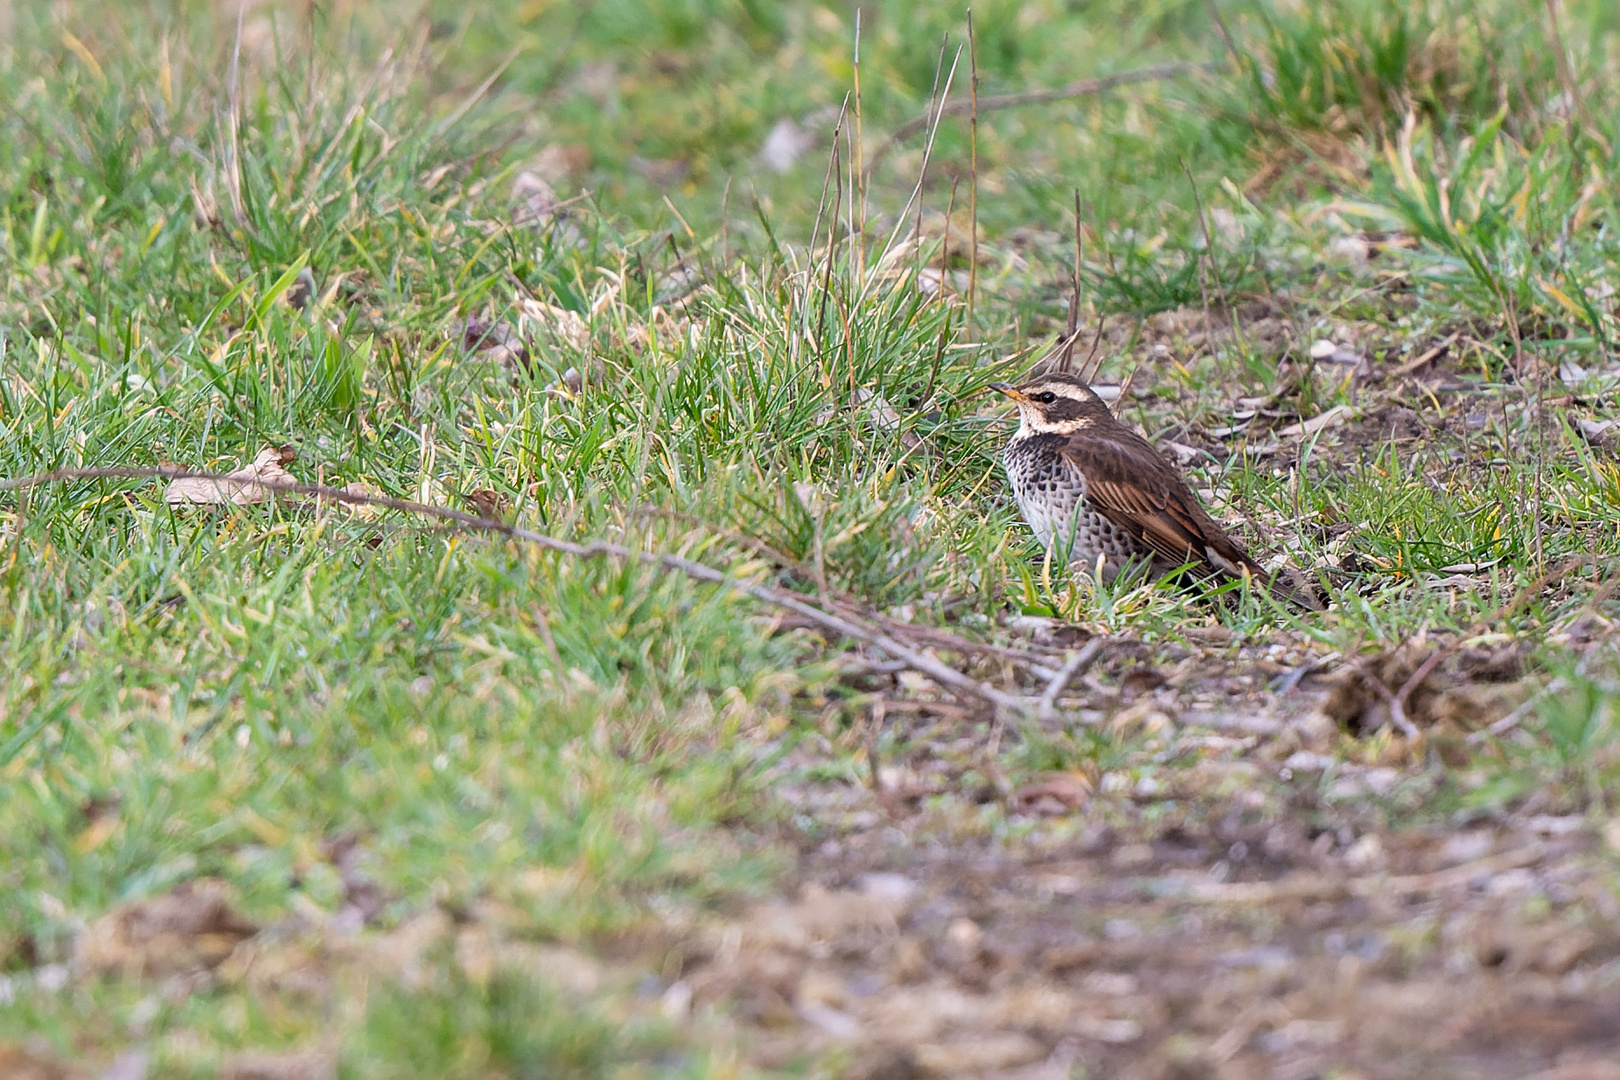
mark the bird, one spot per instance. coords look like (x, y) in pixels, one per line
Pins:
(1089, 484)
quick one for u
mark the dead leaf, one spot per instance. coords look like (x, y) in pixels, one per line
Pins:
(822, 915)
(984, 1053)
(876, 410)
(301, 292)
(31, 1063)
(1187, 455)
(403, 953)
(294, 1065)
(491, 505)
(1596, 432)
(190, 928)
(536, 196)
(1053, 796)
(1231, 429)
(1365, 246)
(784, 146)
(1332, 417)
(563, 323)
(360, 510)
(660, 172)
(496, 340)
(1456, 695)
(239, 488)
(130, 1065)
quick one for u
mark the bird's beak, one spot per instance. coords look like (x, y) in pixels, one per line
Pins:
(1008, 389)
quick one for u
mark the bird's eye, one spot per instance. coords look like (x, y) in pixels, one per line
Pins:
(1046, 398)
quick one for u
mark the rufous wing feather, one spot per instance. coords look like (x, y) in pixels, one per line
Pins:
(1133, 487)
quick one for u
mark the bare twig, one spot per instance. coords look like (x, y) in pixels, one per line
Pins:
(1066, 674)
(878, 714)
(973, 184)
(1091, 353)
(1424, 357)
(1512, 719)
(1566, 74)
(598, 549)
(1557, 686)
(1072, 331)
(1083, 88)
(1397, 706)
(1397, 699)
(1037, 663)
(1226, 35)
(1304, 888)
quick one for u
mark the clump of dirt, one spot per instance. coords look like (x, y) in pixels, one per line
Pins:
(1432, 685)
(191, 928)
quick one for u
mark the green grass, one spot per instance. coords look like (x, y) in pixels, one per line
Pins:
(235, 691)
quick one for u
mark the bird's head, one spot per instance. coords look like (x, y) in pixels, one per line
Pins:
(1056, 404)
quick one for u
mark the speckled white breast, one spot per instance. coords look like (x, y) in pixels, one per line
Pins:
(1051, 493)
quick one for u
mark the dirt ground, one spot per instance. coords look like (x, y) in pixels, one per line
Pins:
(1244, 912)
(1266, 883)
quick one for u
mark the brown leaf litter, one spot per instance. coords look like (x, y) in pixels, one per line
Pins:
(191, 928)
(242, 487)
(1120, 951)
(1227, 899)
(1458, 695)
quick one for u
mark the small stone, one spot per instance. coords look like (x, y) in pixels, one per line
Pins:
(1366, 854)
(982, 1054)
(964, 936)
(1611, 835)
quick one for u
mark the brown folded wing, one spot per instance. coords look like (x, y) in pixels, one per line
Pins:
(1132, 487)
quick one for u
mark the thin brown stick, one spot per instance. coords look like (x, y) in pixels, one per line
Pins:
(1091, 353)
(832, 236)
(1083, 88)
(1226, 35)
(1397, 699)
(973, 183)
(1066, 362)
(1424, 357)
(1397, 707)
(543, 624)
(857, 188)
(1311, 887)
(596, 549)
(1566, 74)
(1206, 266)
(1072, 668)
(826, 276)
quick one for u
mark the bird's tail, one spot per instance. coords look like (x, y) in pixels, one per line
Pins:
(1285, 584)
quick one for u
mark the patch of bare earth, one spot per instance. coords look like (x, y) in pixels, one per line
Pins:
(1245, 913)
